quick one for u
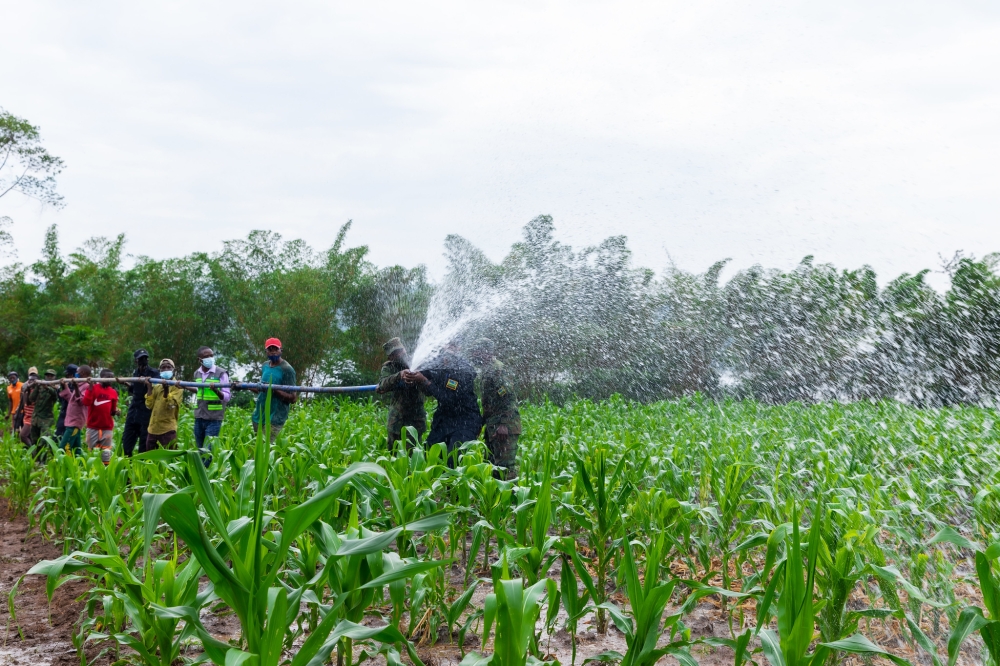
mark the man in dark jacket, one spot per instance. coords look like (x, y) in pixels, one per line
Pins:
(450, 380)
(406, 402)
(137, 418)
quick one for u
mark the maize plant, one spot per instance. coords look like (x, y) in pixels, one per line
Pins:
(309, 539)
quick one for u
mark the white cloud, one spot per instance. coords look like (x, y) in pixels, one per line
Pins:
(858, 132)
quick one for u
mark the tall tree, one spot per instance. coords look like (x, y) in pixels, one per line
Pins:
(25, 165)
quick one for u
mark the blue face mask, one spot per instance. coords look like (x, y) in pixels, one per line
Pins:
(274, 358)
(166, 374)
(208, 363)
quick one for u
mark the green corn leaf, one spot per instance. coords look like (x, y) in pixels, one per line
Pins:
(347, 629)
(315, 640)
(476, 659)
(970, 620)
(235, 657)
(892, 573)
(858, 644)
(277, 623)
(771, 647)
(54, 569)
(623, 623)
(151, 505)
(923, 640)
(949, 535)
(406, 571)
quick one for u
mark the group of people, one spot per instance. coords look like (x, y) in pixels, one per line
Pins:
(454, 383)
(88, 407)
(83, 408)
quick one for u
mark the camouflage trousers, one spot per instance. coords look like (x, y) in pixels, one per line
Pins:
(503, 453)
(395, 428)
(39, 428)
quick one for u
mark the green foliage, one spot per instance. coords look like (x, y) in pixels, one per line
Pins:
(332, 310)
(313, 538)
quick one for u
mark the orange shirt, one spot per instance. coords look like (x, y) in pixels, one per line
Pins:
(14, 395)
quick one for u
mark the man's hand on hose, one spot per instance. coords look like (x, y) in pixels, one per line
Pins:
(410, 376)
(286, 396)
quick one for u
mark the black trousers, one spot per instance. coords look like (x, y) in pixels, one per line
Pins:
(135, 431)
(453, 438)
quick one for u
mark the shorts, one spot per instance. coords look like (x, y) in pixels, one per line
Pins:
(164, 439)
(103, 440)
(275, 430)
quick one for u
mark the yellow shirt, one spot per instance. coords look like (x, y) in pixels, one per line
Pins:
(165, 407)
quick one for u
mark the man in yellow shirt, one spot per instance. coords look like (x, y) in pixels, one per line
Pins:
(165, 403)
(14, 385)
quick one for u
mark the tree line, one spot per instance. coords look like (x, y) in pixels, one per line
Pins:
(567, 322)
(332, 309)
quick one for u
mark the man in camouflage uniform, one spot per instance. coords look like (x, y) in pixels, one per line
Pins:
(44, 398)
(406, 402)
(500, 414)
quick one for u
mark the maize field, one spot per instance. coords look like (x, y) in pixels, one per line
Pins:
(812, 534)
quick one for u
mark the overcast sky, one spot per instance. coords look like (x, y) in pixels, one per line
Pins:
(860, 132)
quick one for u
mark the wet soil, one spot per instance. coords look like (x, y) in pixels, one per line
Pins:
(45, 629)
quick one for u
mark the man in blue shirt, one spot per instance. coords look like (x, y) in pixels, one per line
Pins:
(276, 372)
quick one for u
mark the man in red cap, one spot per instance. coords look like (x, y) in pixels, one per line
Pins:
(276, 372)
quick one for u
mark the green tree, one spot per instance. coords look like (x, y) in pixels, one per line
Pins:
(25, 165)
(284, 289)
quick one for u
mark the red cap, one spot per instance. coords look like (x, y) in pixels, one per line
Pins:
(272, 342)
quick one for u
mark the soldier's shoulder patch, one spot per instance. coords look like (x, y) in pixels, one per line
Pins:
(451, 385)
(502, 390)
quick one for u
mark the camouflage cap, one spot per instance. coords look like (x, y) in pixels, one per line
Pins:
(50, 371)
(393, 345)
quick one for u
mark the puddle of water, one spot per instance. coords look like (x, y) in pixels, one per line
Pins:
(36, 655)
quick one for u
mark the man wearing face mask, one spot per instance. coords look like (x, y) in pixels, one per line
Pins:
(212, 401)
(164, 403)
(137, 418)
(276, 372)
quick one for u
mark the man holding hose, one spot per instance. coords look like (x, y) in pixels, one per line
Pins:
(276, 372)
(164, 404)
(138, 415)
(212, 401)
(406, 402)
(451, 382)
